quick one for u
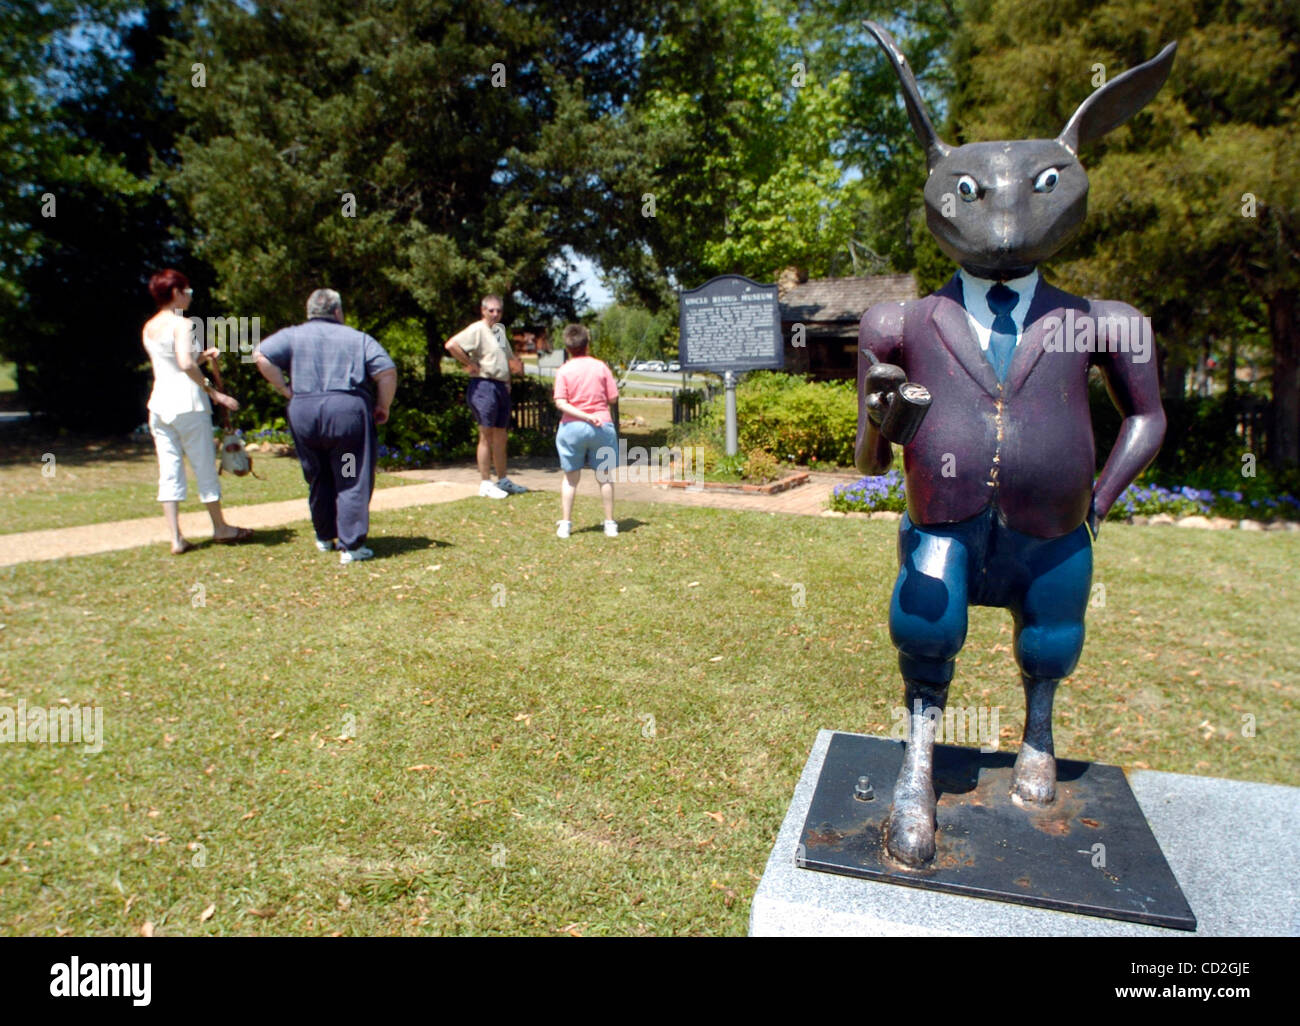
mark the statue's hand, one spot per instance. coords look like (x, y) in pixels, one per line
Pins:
(881, 381)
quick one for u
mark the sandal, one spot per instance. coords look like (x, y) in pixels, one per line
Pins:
(242, 534)
(186, 545)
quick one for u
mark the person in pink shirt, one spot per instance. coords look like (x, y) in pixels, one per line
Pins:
(584, 388)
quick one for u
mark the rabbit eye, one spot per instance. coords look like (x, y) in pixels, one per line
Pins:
(968, 189)
(1046, 181)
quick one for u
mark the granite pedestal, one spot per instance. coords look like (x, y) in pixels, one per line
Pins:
(1231, 844)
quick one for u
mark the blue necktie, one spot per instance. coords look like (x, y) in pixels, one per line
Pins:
(1002, 342)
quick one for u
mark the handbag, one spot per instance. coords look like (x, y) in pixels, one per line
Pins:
(234, 456)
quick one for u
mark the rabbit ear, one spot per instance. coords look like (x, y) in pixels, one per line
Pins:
(1117, 101)
(935, 148)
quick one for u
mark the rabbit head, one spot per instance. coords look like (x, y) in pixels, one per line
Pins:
(1001, 208)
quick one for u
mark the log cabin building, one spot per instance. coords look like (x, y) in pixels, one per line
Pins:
(824, 313)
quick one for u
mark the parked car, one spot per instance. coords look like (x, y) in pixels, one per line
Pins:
(654, 365)
(674, 366)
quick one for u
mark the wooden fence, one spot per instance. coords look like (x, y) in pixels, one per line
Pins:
(541, 415)
(688, 403)
(1253, 416)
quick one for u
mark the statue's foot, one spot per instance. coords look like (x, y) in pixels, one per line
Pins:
(1034, 781)
(909, 834)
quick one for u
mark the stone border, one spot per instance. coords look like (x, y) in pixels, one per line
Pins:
(772, 488)
(271, 448)
(1212, 523)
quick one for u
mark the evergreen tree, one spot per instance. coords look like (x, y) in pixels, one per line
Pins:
(83, 223)
(1194, 204)
(394, 151)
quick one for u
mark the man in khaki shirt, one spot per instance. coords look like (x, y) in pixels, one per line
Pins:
(484, 351)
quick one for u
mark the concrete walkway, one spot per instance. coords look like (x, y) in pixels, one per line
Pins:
(809, 499)
(84, 540)
(445, 484)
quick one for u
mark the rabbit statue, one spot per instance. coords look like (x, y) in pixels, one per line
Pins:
(1002, 508)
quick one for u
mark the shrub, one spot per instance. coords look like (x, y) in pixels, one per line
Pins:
(761, 466)
(437, 426)
(789, 417)
(414, 438)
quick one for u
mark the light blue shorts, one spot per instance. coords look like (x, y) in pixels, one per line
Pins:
(582, 445)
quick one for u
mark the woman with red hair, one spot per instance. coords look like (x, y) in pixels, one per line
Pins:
(180, 417)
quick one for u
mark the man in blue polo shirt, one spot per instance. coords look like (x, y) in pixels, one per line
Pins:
(332, 416)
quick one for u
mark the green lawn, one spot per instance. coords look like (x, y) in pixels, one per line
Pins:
(92, 483)
(657, 415)
(456, 737)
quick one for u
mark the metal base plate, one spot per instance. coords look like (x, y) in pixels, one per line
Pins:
(1090, 852)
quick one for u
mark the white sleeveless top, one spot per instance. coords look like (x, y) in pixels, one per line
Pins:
(174, 391)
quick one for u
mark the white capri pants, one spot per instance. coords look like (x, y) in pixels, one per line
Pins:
(189, 434)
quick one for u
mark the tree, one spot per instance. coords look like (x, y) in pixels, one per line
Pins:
(84, 224)
(891, 235)
(744, 129)
(1194, 204)
(762, 133)
(624, 333)
(390, 151)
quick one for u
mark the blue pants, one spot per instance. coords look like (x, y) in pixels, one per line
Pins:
(943, 568)
(334, 433)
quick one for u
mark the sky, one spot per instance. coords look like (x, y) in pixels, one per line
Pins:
(588, 274)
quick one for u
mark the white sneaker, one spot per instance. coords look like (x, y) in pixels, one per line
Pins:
(563, 528)
(355, 555)
(611, 528)
(488, 490)
(509, 487)
(328, 546)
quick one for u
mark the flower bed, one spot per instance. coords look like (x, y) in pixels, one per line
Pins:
(1149, 500)
(267, 436)
(870, 494)
(886, 493)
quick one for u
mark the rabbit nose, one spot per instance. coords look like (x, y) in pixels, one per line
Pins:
(1006, 229)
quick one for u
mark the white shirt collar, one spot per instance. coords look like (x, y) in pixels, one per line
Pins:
(975, 297)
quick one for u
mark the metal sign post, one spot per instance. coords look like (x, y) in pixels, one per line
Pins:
(733, 444)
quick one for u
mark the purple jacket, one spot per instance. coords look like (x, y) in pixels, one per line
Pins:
(1024, 445)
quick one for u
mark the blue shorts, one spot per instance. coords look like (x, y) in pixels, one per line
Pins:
(490, 402)
(1046, 583)
(582, 445)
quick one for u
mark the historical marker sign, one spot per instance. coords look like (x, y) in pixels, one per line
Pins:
(730, 324)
